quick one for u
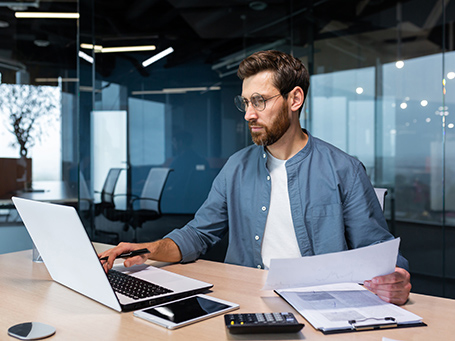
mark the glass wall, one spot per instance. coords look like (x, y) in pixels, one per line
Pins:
(38, 110)
(382, 83)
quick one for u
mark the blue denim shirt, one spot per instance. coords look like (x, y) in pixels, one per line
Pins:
(333, 205)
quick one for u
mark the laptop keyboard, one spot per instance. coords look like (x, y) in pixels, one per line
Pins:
(134, 287)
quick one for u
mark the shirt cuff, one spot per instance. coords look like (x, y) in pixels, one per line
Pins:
(186, 239)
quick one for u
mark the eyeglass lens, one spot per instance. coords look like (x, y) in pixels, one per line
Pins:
(256, 100)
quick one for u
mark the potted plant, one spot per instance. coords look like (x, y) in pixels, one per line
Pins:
(29, 110)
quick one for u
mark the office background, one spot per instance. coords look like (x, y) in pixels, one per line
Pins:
(382, 85)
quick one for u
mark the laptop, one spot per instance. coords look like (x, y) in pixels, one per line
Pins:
(71, 260)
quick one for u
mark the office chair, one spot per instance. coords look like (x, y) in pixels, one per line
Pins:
(381, 193)
(107, 206)
(148, 206)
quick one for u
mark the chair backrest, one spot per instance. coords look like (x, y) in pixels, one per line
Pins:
(84, 191)
(85, 198)
(153, 189)
(107, 193)
(381, 193)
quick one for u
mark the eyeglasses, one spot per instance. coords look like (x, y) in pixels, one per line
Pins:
(256, 100)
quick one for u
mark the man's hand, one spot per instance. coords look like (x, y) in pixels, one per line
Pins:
(392, 288)
(164, 250)
(118, 250)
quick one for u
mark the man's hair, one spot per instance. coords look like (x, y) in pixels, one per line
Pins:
(288, 72)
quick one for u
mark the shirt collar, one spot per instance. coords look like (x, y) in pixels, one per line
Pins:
(302, 154)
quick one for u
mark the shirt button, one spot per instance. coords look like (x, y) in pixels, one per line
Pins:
(256, 237)
(264, 208)
(263, 155)
(268, 177)
(259, 266)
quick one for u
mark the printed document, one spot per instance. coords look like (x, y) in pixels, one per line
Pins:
(355, 266)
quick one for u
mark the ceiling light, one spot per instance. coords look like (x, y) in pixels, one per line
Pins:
(175, 90)
(403, 105)
(128, 48)
(202, 88)
(258, 5)
(157, 57)
(46, 15)
(424, 103)
(359, 90)
(450, 125)
(84, 88)
(442, 111)
(399, 64)
(98, 48)
(41, 42)
(86, 57)
(451, 75)
(112, 49)
(55, 80)
(4, 24)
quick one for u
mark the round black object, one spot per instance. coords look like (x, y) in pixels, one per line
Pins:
(31, 331)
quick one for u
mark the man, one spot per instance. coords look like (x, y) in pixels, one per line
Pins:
(289, 195)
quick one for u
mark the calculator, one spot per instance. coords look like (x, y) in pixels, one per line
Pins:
(256, 323)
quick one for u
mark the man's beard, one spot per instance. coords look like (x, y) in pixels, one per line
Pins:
(273, 133)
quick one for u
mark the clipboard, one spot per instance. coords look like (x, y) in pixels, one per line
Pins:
(374, 326)
(315, 305)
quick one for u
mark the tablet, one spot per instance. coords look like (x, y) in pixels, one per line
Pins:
(185, 311)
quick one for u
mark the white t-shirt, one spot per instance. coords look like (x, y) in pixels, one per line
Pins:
(279, 239)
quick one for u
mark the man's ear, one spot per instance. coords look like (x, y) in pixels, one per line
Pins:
(296, 97)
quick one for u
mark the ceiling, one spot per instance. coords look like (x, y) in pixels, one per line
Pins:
(205, 30)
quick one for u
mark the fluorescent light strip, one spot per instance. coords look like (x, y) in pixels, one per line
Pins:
(52, 80)
(84, 88)
(46, 15)
(157, 57)
(86, 57)
(175, 90)
(100, 48)
(127, 48)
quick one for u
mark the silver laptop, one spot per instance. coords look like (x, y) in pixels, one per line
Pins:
(71, 260)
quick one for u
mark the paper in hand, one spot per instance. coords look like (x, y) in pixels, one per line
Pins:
(355, 265)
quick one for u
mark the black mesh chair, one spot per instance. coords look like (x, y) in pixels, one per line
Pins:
(148, 206)
(107, 206)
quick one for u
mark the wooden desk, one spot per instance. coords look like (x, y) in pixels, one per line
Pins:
(28, 294)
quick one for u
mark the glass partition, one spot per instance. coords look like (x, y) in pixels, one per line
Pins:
(38, 106)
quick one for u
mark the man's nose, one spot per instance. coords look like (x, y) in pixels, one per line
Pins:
(250, 113)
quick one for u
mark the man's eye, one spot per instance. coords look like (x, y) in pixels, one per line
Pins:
(256, 100)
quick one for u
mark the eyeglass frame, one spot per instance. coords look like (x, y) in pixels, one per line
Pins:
(248, 101)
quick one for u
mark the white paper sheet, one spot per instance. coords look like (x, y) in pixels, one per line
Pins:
(355, 266)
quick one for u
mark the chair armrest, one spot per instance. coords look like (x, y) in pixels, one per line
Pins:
(139, 198)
